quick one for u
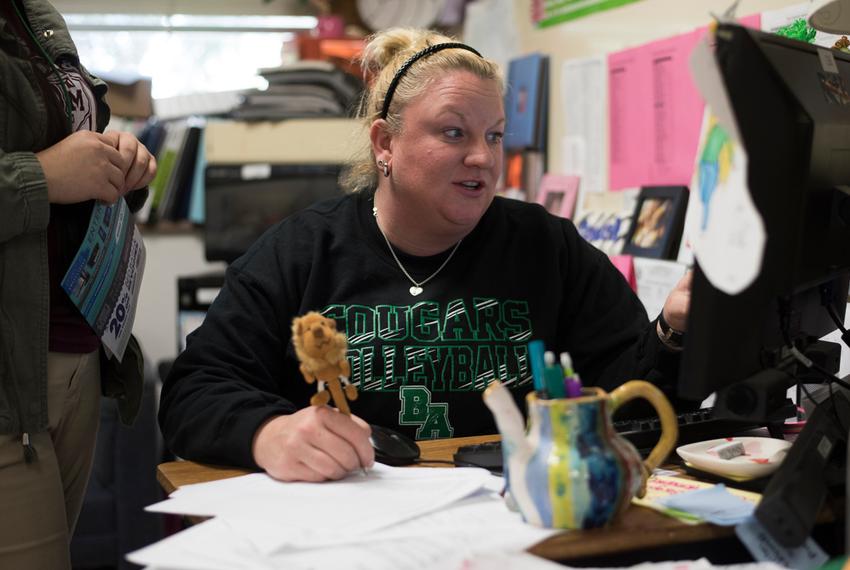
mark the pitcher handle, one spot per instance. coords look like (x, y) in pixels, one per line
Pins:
(669, 424)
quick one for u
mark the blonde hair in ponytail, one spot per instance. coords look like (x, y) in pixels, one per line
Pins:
(383, 55)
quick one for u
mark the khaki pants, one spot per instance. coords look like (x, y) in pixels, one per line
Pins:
(40, 501)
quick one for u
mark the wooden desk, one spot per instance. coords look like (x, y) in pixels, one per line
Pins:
(639, 528)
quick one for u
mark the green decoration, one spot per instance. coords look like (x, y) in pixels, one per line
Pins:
(798, 30)
(558, 11)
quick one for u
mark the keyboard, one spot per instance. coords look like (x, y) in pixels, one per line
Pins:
(698, 425)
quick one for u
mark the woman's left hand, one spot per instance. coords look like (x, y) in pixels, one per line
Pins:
(678, 303)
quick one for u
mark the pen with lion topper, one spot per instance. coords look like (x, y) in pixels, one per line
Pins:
(321, 350)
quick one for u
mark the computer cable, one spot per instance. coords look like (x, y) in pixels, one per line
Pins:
(826, 301)
(809, 395)
(831, 378)
(784, 325)
(836, 319)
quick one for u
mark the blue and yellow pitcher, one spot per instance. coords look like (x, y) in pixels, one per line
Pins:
(572, 470)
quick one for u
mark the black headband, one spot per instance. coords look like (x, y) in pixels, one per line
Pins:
(410, 61)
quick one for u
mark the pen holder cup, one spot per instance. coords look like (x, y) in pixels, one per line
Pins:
(573, 471)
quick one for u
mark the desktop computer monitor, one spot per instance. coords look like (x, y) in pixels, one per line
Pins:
(796, 133)
(243, 201)
(791, 103)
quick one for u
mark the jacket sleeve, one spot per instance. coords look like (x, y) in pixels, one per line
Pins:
(231, 376)
(608, 332)
(24, 207)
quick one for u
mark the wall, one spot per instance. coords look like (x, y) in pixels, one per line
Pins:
(616, 29)
(620, 28)
(241, 7)
(169, 256)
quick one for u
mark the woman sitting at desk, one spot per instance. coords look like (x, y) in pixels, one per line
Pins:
(438, 284)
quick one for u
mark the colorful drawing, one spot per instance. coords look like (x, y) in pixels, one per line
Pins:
(715, 162)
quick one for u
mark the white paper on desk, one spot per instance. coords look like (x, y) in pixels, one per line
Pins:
(210, 545)
(273, 514)
(510, 561)
(725, 228)
(441, 539)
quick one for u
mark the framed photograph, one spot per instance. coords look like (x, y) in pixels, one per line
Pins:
(657, 222)
(558, 194)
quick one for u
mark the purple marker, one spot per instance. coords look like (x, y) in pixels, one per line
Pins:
(572, 382)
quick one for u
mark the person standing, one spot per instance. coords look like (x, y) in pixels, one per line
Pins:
(55, 162)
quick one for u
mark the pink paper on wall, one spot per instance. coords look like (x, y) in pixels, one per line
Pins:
(626, 265)
(655, 118)
(629, 93)
(676, 111)
(655, 112)
(751, 21)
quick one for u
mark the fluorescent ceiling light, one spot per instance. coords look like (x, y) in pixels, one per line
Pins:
(187, 23)
(830, 16)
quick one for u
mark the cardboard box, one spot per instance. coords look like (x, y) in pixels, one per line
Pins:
(293, 141)
(131, 98)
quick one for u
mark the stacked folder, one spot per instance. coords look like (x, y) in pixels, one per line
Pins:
(299, 90)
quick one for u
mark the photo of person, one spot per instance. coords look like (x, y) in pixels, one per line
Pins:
(652, 222)
(657, 222)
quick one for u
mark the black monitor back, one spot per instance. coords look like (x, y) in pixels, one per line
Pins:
(243, 201)
(798, 145)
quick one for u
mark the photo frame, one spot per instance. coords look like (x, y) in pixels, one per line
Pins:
(604, 218)
(558, 194)
(657, 222)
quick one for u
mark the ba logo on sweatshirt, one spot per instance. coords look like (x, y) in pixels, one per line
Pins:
(417, 410)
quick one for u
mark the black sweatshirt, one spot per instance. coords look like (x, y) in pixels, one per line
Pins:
(420, 363)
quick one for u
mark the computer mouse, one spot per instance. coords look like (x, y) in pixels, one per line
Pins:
(393, 448)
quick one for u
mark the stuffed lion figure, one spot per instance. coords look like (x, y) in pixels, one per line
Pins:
(321, 350)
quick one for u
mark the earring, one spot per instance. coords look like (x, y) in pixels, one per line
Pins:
(385, 167)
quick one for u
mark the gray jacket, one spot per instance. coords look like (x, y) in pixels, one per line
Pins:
(24, 215)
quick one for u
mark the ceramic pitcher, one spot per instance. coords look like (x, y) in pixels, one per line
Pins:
(571, 469)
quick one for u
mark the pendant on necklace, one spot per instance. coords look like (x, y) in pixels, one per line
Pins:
(415, 290)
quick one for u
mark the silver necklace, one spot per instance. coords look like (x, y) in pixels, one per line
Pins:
(416, 288)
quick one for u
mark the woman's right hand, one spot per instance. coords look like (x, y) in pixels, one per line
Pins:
(317, 443)
(83, 166)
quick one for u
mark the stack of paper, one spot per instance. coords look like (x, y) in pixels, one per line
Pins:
(391, 518)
